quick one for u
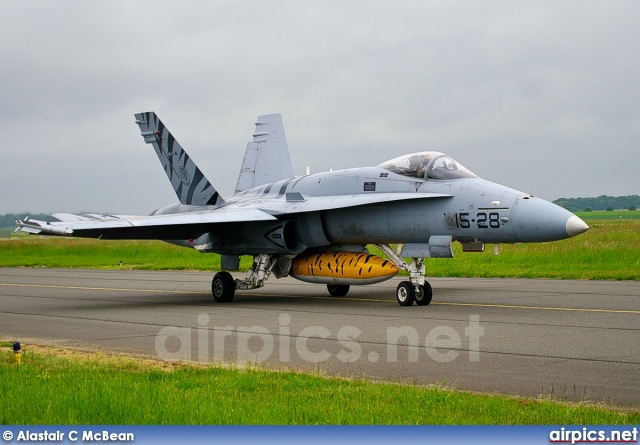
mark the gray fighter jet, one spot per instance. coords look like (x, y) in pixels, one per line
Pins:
(316, 227)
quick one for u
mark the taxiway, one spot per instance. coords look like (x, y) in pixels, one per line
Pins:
(572, 340)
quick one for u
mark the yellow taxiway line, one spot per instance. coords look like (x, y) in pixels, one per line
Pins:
(122, 289)
(435, 303)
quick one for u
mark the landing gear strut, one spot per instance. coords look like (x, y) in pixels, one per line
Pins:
(416, 289)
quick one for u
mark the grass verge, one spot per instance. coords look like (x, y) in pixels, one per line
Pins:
(55, 386)
(603, 215)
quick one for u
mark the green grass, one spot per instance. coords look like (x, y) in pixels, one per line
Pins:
(43, 251)
(616, 214)
(63, 388)
(609, 251)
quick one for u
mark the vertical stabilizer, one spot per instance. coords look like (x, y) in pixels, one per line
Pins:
(266, 158)
(189, 183)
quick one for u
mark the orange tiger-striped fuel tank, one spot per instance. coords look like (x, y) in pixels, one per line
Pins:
(342, 268)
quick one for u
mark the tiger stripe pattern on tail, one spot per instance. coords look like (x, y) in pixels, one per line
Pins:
(189, 183)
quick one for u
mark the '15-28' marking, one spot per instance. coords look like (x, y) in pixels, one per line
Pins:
(484, 221)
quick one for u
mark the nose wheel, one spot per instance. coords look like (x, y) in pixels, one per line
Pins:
(407, 294)
(424, 294)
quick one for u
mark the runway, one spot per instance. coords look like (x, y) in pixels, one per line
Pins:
(573, 340)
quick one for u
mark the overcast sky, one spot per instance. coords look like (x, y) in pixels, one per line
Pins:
(542, 96)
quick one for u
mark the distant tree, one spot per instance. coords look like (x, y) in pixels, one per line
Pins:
(609, 209)
(588, 209)
(632, 208)
(599, 202)
(8, 220)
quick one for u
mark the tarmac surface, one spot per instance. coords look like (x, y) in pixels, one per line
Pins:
(570, 340)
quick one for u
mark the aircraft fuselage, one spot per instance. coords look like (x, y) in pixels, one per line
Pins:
(471, 210)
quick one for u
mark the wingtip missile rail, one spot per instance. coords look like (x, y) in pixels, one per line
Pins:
(34, 226)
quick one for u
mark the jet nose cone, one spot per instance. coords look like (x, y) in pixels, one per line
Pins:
(576, 226)
(536, 220)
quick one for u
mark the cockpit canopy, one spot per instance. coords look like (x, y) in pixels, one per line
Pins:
(427, 165)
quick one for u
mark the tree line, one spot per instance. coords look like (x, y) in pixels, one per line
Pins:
(602, 202)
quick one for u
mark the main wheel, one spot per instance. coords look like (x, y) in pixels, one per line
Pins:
(223, 287)
(405, 294)
(338, 290)
(423, 297)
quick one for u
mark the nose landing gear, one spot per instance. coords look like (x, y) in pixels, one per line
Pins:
(416, 289)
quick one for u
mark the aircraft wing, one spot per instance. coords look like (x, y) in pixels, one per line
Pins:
(194, 224)
(297, 203)
(173, 226)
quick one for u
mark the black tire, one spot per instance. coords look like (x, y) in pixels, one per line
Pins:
(423, 298)
(405, 294)
(223, 287)
(338, 290)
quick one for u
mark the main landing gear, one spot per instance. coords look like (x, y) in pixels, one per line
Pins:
(416, 289)
(223, 286)
(338, 290)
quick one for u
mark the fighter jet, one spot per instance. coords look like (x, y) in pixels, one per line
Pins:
(316, 228)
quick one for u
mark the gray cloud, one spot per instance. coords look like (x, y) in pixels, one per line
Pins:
(541, 96)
